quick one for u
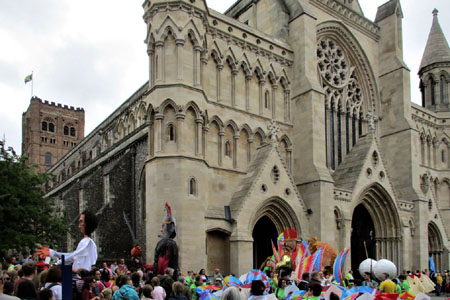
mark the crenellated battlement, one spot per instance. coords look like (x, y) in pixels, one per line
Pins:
(58, 105)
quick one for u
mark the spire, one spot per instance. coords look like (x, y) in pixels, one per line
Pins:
(436, 49)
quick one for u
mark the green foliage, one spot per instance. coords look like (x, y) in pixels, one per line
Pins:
(26, 216)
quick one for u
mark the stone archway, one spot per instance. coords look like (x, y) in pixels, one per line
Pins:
(270, 219)
(386, 237)
(435, 245)
(264, 234)
(362, 237)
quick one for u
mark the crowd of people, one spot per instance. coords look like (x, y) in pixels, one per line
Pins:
(32, 278)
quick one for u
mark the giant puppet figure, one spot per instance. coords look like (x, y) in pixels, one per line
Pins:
(166, 251)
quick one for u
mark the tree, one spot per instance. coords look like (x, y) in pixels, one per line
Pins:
(26, 216)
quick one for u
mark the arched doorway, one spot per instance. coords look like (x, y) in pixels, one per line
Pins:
(362, 237)
(435, 248)
(263, 234)
(382, 217)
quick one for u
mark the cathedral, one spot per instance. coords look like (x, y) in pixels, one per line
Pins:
(275, 114)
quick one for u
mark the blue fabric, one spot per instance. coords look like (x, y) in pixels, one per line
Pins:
(126, 292)
(432, 266)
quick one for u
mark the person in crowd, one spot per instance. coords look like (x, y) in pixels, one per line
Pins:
(85, 255)
(83, 274)
(122, 266)
(106, 294)
(314, 290)
(29, 271)
(387, 285)
(53, 282)
(178, 292)
(26, 290)
(232, 293)
(158, 292)
(8, 263)
(126, 290)
(167, 280)
(202, 273)
(42, 278)
(279, 292)
(136, 282)
(438, 286)
(88, 289)
(46, 294)
(97, 277)
(315, 277)
(349, 279)
(188, 279)
(303, 284)
(3, 296)
(368, 281)
(217, 274)
(147, 292)
(104, 281)
(257, 290)
(26, 257)
(405, 283)
(193, 289)
(114, 267)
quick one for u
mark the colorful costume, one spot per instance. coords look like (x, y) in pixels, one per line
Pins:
(166, 251)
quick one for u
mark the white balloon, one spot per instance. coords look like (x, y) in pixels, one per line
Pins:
(364, 266)
(385, 266)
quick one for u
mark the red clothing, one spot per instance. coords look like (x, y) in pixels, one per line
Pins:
(103, 285)
(87, 294)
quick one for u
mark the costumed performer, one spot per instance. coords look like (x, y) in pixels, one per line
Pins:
(166, 251)
(86, 253)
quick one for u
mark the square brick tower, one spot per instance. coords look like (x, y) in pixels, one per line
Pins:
(49, 131)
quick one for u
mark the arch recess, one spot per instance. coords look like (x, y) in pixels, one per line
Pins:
(386, 220)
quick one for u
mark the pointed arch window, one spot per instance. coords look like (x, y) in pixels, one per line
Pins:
(171, 132)
(228, 148)
(192, 187)
(66, 130)
(267, 100)
(442, 89)
(72, 131)
(431, 85)
(51, 127)
(44, 126)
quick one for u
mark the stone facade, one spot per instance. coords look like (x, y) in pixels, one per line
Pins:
(50, 131)
(350, 160)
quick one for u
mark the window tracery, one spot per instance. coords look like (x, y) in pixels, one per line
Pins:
(344, 100)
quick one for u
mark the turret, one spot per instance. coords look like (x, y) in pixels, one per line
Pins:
(435, 69)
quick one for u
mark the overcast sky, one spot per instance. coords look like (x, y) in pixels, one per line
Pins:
(91, 54)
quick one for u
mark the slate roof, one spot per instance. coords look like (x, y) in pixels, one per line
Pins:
(347, 173)
(436, 49)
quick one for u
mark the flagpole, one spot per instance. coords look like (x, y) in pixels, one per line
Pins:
(32, 82)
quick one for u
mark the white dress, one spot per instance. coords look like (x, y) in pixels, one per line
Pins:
(84, 256)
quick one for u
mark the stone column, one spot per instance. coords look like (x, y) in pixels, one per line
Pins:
(151, 67)
(204, 62)
(247, 92)
(221, 134)
(235, 142)
(233, 87)
(274, 89)
(261, 95)
(241, 253)
(249, 150)
(158, 133)
(205, 142)
(197, 64)
(219, 70)
(289, 157)
(150, 139)
(179, 44)
(159, 61)
(198, 146)
(180, 131)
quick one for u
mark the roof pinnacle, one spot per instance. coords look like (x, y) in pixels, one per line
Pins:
(435, 12)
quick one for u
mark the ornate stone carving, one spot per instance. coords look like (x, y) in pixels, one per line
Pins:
(274, 129)
(338, 74)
